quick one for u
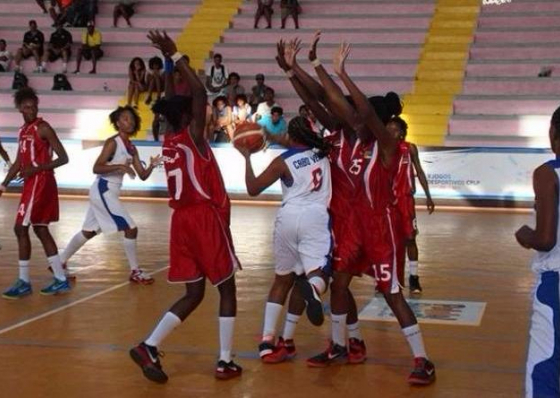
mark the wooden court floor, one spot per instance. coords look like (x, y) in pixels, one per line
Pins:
(76, 345)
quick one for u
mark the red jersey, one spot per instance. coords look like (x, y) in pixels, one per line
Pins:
(192, 178)
(33, 150)
(378, 181)
(404, 179)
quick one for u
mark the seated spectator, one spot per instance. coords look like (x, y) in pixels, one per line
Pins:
(5, 57)
(60, 46)
(136, 80)
(257, 92)
(264, 8)
(274, 123)
(125, 9)
(33, 45)
(233, 89)
(154, 79)
(241, 110)
(222, 120)
(91, 47)
(265, 107)
(287, 8)
(216, 78)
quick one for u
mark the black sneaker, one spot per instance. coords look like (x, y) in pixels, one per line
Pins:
(414, 284)
(334, 354)
(266, 348)
(146, 357)
(313, 304)
(227, 370)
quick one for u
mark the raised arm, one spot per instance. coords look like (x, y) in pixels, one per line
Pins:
(421, 177)
(275, 171)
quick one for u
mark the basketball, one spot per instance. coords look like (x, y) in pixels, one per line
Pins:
(249, 136)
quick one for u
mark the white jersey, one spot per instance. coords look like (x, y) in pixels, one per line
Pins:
(122, 155)
(550, 261)
(311, 178)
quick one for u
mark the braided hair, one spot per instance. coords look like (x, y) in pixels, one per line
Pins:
(299, 130)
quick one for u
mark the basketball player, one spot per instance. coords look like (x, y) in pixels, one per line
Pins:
(302, 236)
(39, 199)
(106, 212)
(200, 244)
(380, 223)
(405, 188)
(543, 362)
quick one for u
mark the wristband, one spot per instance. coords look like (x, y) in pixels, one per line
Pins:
(316, 62)
(2, 188)
(169, 65)
(176, 57)
(290, 73)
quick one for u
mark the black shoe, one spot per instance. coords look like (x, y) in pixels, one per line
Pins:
(334, 354)
(147, 358)
(266, 348)
(227, 370)
(414, 284)
(313, 305)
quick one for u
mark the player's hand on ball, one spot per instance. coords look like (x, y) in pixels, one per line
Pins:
(162, 42)
(244, 152)
(523, 236)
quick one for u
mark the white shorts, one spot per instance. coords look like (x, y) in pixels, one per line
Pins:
(302, 239)
(106, 212)
(542, 379)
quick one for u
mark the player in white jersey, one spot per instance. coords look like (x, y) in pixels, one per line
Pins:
(542, 379)
(106, 212)
(302, 235)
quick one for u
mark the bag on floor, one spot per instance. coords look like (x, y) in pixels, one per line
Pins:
(61, 83)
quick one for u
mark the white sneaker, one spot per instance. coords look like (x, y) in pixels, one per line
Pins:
(140, 277)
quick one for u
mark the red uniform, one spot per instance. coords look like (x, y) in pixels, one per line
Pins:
(200, 243)
(380, 225)
(347, 167)
(39, 198)
(404, 189)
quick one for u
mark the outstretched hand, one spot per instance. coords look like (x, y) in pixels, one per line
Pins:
(340, 57)
(292, 49)
(313, 48)
(162, 42)
(281, 56)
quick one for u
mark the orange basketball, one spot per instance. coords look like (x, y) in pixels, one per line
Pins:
(249, 136)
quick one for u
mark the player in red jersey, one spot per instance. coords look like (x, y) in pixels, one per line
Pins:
(404, 189)
(380, 223)
(200, 243)
(39, 199)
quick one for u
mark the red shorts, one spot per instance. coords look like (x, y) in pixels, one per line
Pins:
(385, 249)
(200, 246)
(348, 253)
(407, 211)
(39, 200)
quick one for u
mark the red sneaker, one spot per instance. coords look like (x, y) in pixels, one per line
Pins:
(356, 351)
(227, 370)
(334, 354)
(284, 350)
(140, 277)
(147, 358)
(424, 372)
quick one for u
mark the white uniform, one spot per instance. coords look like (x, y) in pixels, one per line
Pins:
(543, 359)
(106, 212)
(302, 234)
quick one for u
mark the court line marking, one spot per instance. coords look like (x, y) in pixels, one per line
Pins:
(72, 304)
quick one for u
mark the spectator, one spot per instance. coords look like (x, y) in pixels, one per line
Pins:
(63, 7)
(222, 120)
(33, 45)
(60, 46)
(264, 8)
(5, 57)
(216, 78)
(91, 47)
(266, 106)
(274, 123)
(233, 88)
(136, 80)
(241, 110)
(125, 9)
(257, 92)
(154, 79)
(287, 8)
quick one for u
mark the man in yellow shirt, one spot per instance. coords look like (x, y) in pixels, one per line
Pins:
(91, 47)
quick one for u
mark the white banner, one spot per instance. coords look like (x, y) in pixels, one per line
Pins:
(475, 173)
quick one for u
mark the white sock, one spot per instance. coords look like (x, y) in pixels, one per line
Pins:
(414, 337)
(354, 331)
(338, 326)
(56, 266)
(24, 270)
(73, 246)
(226, 337)
(169, 322)
(130, 251)
(290, 326)
(271, 314)
(413, 268)
(319, 284)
